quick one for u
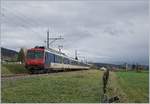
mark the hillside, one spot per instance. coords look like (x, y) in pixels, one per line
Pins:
(8, 54)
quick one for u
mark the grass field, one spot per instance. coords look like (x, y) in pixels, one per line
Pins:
(83, 86)
(12, 69)
(134, 85)
(77, 86)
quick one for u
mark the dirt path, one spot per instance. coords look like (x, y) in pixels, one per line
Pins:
(114, 88)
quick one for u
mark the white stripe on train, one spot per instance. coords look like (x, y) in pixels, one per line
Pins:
(66, 66)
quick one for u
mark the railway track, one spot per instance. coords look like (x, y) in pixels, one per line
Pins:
(21, 76)
(27, 75)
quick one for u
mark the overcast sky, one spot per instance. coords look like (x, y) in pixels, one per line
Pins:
(112, 31)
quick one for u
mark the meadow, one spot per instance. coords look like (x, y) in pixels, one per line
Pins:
(77, 86)
(12, 69)
(84, 86)
(135, 85)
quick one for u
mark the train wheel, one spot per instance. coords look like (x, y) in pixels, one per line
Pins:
(50, 70)
(35, 72)
(45, 71)
(31, 71)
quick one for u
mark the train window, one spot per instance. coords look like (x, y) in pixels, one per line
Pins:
(49, 57)
(35, 54)
(66, 61)
(52, 57)
(71, 62)
(76, 63)
(61, 59)
(58, 59)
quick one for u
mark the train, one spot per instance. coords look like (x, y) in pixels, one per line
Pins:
(41, 59)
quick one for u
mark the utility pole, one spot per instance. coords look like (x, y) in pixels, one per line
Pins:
(76, 55)
(48, 39)
(53, 39)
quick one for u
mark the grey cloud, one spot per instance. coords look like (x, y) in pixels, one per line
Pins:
(103, 31)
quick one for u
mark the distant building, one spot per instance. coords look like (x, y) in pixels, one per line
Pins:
(103, 68)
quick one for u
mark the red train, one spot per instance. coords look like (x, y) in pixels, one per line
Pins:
(40, 59)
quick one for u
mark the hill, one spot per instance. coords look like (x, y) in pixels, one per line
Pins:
(8, 54)
(99, 65)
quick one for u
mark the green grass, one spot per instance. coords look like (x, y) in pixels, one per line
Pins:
(66, 87)
(135, 85)
(11, 69)
(73, 87)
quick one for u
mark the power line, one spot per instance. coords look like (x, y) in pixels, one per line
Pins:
(21, 25)
(33, 22)
(24, 21)
(19, 14)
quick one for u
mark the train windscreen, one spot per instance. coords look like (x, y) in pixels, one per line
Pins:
(35, 54)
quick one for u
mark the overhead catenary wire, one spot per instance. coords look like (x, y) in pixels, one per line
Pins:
(23, 20)
(23, 26)
(33, 22)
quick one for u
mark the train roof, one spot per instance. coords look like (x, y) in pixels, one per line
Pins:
(53, 51)
(59, 53)
(36, 49)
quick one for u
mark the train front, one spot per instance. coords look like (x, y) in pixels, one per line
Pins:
(35, 59)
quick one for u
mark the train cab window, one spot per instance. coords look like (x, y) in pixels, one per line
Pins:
(35, 54)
